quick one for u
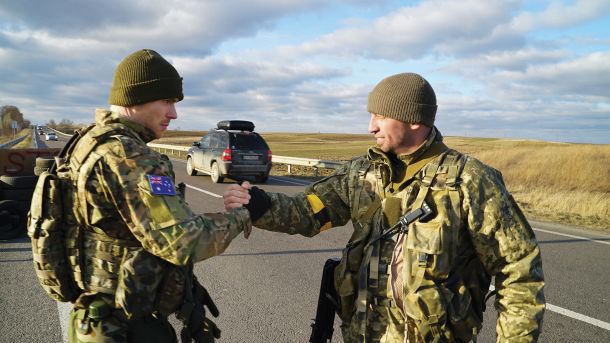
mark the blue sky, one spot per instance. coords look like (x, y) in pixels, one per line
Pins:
(507, 69)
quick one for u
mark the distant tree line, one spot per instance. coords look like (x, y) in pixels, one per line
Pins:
(65, 125)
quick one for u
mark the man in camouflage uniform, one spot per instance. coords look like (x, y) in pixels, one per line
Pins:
(428, 283)
(139, 239)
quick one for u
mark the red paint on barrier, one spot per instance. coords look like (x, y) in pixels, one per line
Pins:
(15, 162)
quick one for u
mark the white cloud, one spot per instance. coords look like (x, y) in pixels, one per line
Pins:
(562, 15)
(494, 64)
(588, 75)
(509, 60)
(438, 26)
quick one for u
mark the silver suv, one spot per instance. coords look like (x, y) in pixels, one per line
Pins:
(232, 149)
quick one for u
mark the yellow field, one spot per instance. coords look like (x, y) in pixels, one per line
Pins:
(558, 182)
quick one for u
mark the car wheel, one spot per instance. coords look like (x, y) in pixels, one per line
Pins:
(189, 167)
(262, 178)
(215, 173)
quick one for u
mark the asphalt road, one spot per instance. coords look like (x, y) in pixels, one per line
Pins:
(266, 287)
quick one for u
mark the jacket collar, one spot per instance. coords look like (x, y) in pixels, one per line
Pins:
(106, 117)
(380, 158)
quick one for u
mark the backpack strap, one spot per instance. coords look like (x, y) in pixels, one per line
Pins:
(359, 179)
(427, 157)
(69, 147)
(369, 267)
(83, 159)
(452, 165)
(88, 142)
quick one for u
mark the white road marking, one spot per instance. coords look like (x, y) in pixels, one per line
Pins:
(578, 316)
(571, 236)
(64, 315)
(572, 314)
(204, 191)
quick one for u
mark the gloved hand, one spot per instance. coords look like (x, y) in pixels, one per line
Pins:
(259, 203)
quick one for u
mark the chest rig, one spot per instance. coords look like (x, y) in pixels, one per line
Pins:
(443, 280)
(362, 277)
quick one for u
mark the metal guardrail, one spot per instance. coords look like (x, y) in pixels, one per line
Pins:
(59, 133)
(309, 162)
(177, 150)
(298, 161)
(180, 151)
(36, 139)
(13, 142)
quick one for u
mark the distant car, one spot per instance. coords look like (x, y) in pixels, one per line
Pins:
(232, 149)
(50, 136)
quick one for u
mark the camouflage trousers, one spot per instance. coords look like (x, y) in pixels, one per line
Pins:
(375, 326)
(115, 328)
(398, 331)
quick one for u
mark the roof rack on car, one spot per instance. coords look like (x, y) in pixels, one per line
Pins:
(241, 125)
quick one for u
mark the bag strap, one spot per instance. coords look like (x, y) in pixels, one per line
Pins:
(81, 146)
(369, 267)
(358, 180)
(69, 147)
(427, 157)
(88, 142)
(453, 166)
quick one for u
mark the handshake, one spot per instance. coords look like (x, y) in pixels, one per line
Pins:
(254, 199)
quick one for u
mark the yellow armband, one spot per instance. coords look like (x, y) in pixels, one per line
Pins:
(319, 212)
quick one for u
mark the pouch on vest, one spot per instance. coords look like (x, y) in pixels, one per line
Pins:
(47, 230)
(148, 284)
(444, 279)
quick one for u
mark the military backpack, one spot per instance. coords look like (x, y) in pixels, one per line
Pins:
(52, 226)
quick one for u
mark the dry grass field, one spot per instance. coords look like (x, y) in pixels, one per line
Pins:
(557, 182)
(27, 142)
(7, 138)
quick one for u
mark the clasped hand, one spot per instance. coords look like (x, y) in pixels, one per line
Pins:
(236, 195)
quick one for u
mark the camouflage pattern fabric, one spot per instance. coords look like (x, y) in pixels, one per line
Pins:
(115, 329)
(136, 242)
(491, 238)
(347, 195)
(121, 204)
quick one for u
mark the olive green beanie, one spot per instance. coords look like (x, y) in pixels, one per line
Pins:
(407, 97)
(142, 77)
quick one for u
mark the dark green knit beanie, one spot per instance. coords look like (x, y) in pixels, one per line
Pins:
(142, 77)
(407, 97)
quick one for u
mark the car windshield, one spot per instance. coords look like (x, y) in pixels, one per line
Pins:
(248, 141)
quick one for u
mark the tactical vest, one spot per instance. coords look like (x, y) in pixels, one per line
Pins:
(445, 283)
(71, 257)
(362, 276)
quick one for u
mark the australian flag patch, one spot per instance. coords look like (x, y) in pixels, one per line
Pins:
(161, 185)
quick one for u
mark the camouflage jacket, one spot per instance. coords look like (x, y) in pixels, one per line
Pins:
(477, 226)
(121, 213)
